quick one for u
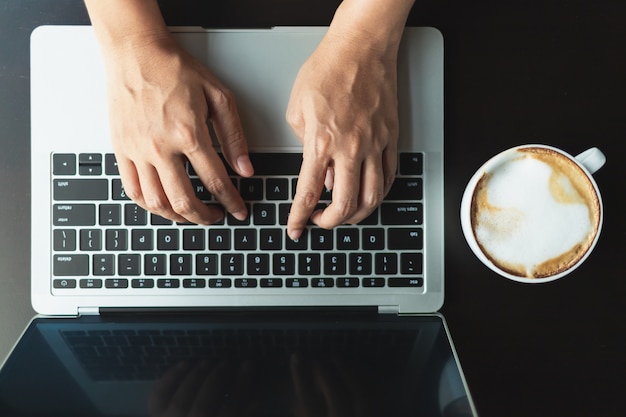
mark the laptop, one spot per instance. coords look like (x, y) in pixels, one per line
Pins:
(138, 314)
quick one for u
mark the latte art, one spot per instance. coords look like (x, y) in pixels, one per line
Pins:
(535, 214)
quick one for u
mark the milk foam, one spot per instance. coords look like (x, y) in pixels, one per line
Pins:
(523, 222)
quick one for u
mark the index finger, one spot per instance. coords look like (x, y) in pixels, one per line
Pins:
(308, 191)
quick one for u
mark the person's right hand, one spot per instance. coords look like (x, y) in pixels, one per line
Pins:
(160, 99)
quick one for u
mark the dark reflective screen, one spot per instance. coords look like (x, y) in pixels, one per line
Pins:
(231, 367)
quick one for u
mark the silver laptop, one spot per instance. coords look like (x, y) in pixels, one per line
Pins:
(236, 299)
(93, 248)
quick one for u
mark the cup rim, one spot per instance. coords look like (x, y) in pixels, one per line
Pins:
(469, 233)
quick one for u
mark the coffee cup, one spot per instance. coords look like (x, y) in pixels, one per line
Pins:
(533, 213)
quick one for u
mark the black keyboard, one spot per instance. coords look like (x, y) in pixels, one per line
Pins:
(103, 241)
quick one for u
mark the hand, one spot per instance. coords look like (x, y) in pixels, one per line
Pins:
(160, 99)
(343, 107)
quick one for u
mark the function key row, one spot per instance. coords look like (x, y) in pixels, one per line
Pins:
(224, 283)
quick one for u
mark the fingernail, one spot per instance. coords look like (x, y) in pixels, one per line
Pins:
(240, 215)
(244, 165)
(295, 234)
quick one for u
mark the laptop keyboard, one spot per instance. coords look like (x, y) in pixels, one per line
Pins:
(103, 241)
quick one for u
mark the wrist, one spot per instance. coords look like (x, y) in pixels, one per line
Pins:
(374, 24)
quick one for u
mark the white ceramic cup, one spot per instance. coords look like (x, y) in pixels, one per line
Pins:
(512, 214)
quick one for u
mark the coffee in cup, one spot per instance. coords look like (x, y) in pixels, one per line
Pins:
(533, 213)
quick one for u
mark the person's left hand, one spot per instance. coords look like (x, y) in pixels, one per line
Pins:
(344, 109)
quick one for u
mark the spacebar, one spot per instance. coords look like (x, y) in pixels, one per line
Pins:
(276, 163)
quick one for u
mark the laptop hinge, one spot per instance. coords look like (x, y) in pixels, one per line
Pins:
(388, 310)
(88, 311)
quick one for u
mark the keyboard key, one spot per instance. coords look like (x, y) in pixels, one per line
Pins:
(193, 239)
(64, 283)
(284, 264)
(411, 263)
(405, 189)
(219, 239)
(347, 238)
(110, 215)
(297, 282)
(373, 282)
(411, 163)
(142, 239)
(298, 244)
(271, 283)
(64, 240)
(115, 283)
(276, 164)
(347, 282)
(201, 191)
(246, 283)
(117, 190)
(180, 264)
(90, 283)
(245, 239)
(80, 189)
(405, 238)
(386, 263)
(70, 265)
(277, 189)
(258, 264)
(64, 164)
(91, 240)
(309, 264)
(271, 239)
(157, 220)
(322, 282)
(129, 264)
(206, 264)
(135, 215)
(321, 239)
(405, 282)
(220, 283)
(154, 264)
(264, 214)
(334, 264)
(232, 264)
(360, 263)
(401, 214)
(168, 283)
(194, 283)
(104, 264)
(142, 283)
(251, 189)
(74, 214)
(110, 164)
(116, 239)
(373, 239)
(167, 239)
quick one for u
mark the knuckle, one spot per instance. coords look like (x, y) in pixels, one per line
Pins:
(372, 200)
(345, 208)
(307, 199)
(183, 207)
(217, 186)
(155, 204)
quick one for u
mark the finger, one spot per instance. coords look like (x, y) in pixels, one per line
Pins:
(308, 191)
(390, 165)
(130, 179)
(211, 171)
(154, 197)
(372, 188)
(227, 125)
(345, 200)
(182, 198)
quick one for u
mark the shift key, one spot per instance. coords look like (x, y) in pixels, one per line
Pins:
(80, 189)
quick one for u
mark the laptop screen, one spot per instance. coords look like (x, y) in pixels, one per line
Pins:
(201, 366)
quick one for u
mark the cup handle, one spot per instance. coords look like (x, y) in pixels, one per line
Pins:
(593, 159)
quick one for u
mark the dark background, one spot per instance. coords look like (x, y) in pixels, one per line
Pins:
(516, 72)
